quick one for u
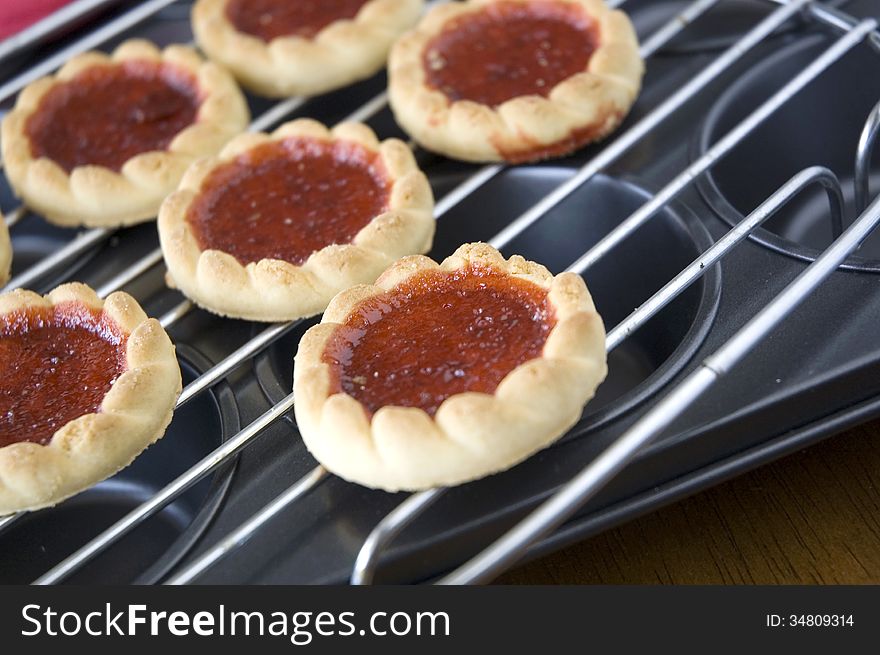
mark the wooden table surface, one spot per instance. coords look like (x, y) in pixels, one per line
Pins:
(812, 517)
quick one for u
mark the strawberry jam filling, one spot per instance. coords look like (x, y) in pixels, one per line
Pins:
(57, 365)
(510, 49)
(438, 334)
(105, 115)
(286, 199)
(270, 19)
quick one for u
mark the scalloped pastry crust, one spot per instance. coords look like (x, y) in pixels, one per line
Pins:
(580, 109)
(276, 290)
(97, 196)
(134, 413)
(472, 434)
(341, 53)
(5, 252)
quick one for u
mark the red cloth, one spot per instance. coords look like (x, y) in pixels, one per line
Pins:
(15, 15)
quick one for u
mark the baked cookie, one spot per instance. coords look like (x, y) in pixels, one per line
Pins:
(276, 225)
(86, 386)
(281, 48)
(514, 80)
(440, 374)
(102, 142)
(5, 252)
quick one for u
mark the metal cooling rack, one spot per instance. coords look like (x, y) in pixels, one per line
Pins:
(550, 515)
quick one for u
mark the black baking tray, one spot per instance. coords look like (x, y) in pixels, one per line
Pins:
(816, 375)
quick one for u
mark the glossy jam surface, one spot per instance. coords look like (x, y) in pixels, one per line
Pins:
(287, 199)
(55, 365)
(508, 50)
(438, 334)
(270, 19)
(106, 115)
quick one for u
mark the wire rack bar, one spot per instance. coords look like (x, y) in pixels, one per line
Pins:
(166, 495)
(176, 313)
(7, 521)
(671, 29)
(87, 42)
(808, 177)
(867, 141)
(59, 258)
(834, 18)
(387, 530)
(233, 360)
(466, 188)
(606, 466)
(128, 275)
(15, 215)
(843, 45)
(276, 114)
(369, 108)
(58, 19)
(244, 532)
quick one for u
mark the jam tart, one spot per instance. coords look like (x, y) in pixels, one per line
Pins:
(86, 385)
(106, 139)
(276, 225)
(514, 80)
(440, 374)
(280, 48)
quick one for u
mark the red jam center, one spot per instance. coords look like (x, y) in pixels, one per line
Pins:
(508, 50)
(439, 334)
(270, 19)
(287, 199)
(106, 115)
(55, 366)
